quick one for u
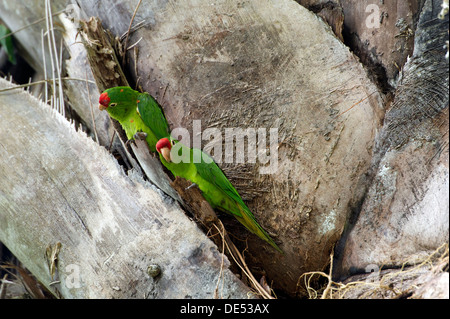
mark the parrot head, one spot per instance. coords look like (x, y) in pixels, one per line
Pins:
(163, 147)
(122, 96)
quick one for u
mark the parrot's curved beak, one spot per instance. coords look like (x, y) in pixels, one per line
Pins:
(101, 107)
(165, 151)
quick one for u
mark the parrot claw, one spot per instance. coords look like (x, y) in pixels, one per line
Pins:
(190, 186)
(128, 143)
(140, 135)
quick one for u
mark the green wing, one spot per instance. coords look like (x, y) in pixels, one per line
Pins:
(152, 115)
(213, 174)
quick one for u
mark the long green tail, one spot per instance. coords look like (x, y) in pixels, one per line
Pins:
(252, 225)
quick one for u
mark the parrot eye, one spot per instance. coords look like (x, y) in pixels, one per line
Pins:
(113, 104)
(172, 142)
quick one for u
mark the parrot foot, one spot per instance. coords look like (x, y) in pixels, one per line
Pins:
(190, 186)
(128, 143)
(140, 135)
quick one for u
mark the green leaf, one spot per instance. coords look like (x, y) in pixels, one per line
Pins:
(7, 43)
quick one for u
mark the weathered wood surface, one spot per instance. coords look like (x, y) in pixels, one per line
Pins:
(380, 33)
(263, 64)
(240, 65)
(58, 186)
(404, 216)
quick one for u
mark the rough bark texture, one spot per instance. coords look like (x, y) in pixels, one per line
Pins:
(380, 33)
(405, 212)
(273, 64)
(29, 17)
(58, 186)
(428, 279)
(239, 65)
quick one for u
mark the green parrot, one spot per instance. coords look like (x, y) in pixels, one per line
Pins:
(136, 112)
(199, 168)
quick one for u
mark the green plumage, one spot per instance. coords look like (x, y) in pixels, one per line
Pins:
(215, 186)
(7, 44)
(137, 112)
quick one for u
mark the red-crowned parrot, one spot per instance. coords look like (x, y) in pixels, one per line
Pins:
(136, 112)
(199, 168)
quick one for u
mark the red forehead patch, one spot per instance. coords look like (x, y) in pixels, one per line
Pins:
(164, 142)
(104, 99)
